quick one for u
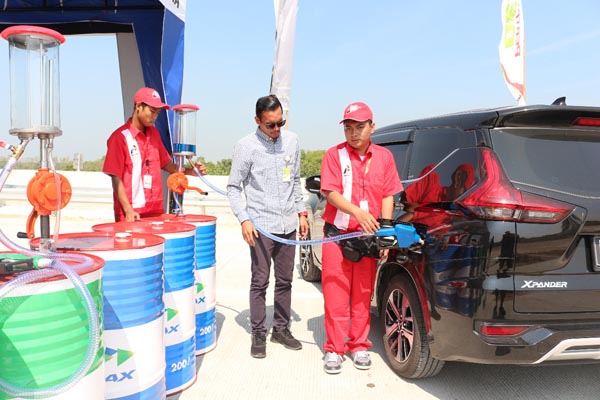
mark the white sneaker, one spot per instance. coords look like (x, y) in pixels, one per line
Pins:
(332, 363)
(361, 360)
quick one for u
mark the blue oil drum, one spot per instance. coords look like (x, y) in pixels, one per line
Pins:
(132, 287)
(178, 296)
(445, 297)
(205, 277)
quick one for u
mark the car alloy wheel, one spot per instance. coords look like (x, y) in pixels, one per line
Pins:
(404, 337)
(310, 272)
(399, 324)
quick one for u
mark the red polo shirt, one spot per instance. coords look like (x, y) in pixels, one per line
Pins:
(371, 179)
(153, 156)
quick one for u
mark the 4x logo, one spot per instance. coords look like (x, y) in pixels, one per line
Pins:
(199, 287)
(198, 300)
(171, 313)
(121, 356)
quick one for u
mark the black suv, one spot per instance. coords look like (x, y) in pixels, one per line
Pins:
(510, 269)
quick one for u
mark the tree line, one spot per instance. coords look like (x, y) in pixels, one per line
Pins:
(310, 164)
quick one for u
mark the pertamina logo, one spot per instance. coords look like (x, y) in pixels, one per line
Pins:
(351, 108)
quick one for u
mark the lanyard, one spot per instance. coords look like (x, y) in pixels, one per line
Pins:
(364, 177)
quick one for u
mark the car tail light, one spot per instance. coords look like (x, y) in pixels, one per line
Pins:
(496, 198)
(500, 330)
(585, 121)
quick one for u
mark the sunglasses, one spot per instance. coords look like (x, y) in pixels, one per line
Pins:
(272, 125)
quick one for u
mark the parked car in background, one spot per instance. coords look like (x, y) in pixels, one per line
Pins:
(509, 273)
(310, 256)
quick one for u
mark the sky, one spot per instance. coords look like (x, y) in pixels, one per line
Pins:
(406, 59)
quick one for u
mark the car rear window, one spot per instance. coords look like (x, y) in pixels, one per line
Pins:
(562, 160)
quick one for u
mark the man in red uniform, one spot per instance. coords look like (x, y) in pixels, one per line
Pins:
(359, 179)
(134, 159)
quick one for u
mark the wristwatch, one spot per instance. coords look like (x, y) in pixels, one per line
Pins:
(303, 214)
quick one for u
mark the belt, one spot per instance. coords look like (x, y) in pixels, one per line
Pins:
(330, 230)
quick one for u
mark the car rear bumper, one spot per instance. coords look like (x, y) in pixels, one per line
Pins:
(541, 343)
(573, 349)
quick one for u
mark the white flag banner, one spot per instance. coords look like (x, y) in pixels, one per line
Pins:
(281, 79)
(512, 48)
(177, 7)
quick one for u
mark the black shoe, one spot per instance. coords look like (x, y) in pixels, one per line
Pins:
(285, 338)
(259, 346)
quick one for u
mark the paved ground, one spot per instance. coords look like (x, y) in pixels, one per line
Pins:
(228, 371)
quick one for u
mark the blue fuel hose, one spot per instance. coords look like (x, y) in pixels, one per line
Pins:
(277, 238)
(336, 238)
(406, 235)
(207, 182)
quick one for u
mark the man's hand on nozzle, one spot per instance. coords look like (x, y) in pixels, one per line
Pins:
(387, 241)
(368, 223)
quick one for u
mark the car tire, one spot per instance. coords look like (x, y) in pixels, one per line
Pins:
(309, 271)
(404, 337)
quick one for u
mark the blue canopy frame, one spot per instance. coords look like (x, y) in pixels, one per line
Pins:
(158, 34)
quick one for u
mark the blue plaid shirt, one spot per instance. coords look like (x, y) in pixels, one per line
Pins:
(267, 172)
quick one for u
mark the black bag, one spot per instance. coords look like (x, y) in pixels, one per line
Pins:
(353, 249)
(356, 248)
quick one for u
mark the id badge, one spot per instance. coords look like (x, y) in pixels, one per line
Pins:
(287, 174)
(364, 205)
(147, 181)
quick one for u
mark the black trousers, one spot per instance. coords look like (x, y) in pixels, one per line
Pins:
(282, 255)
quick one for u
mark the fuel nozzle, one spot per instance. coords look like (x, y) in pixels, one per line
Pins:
(14, 263)
(402, 235)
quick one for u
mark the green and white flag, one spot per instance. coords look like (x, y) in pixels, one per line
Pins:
(512, 48)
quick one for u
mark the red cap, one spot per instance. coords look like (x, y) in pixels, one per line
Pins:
(149, 96)
(357, 112)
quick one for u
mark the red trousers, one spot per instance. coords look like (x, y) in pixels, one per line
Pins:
(347, 289)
